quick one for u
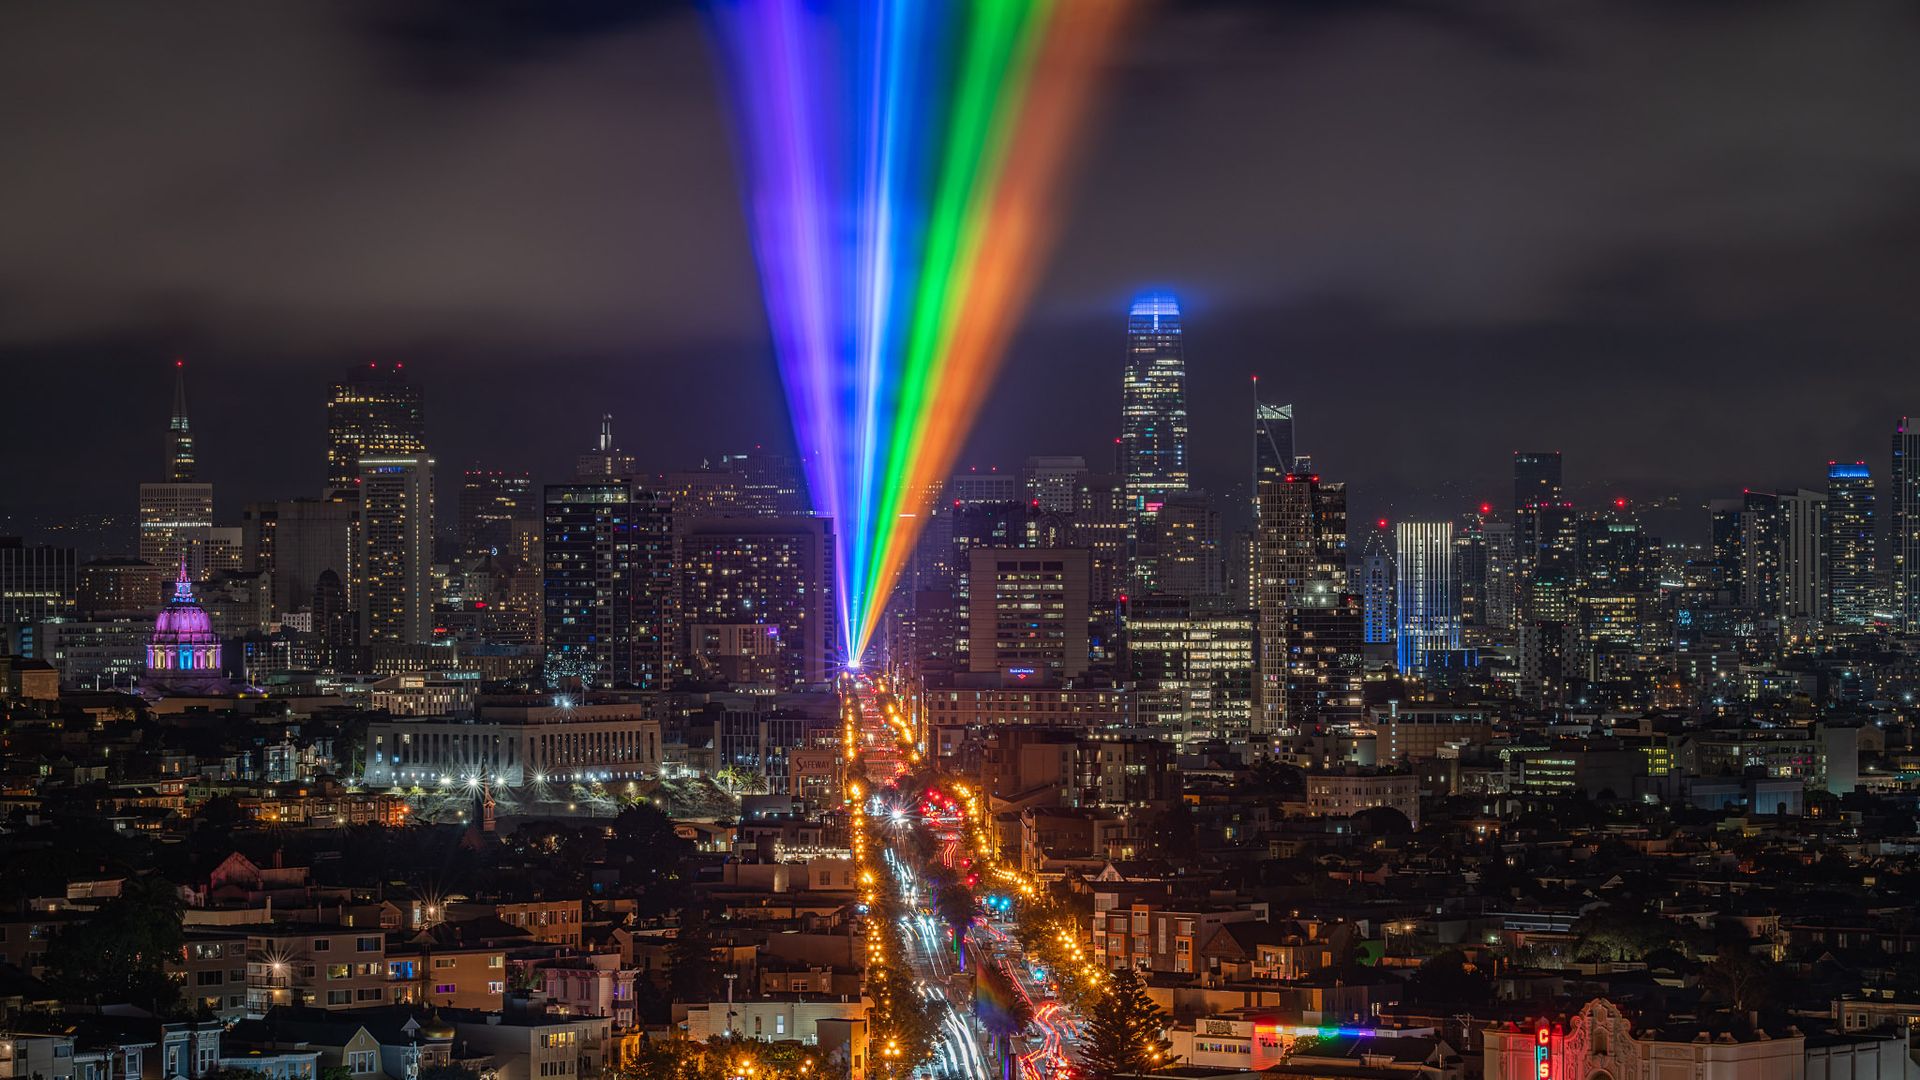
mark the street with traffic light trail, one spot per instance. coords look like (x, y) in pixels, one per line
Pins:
(976, 969)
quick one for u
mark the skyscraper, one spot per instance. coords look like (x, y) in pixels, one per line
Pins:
(1272, 441)
(754, 588)
(1187, 555)
(1760, 552)
(372, 412)
(1153, 408)
(1536, 478)
(605, 461)
(396, 548)
(180, 461)
(1803, 555)
(176, 515)
(609, 585)
(1053, 483)
(38, 583)
(1299, 561)
(1425, 598)
(1543, 536)
(1853, 590)
(1027, 613)
(491, 500)
(1153, 420)
(1904, 542)
(296, 540)
(1376, 585)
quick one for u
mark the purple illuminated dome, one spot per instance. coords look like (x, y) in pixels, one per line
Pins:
(183, 639)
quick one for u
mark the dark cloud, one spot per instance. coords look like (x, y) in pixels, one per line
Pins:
(1676, 238)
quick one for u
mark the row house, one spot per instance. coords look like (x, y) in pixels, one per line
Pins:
(112, 1048)
(1270, 952)
(427, 972)
(595, 985)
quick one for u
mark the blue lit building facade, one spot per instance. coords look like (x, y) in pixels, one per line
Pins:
(1428, 605)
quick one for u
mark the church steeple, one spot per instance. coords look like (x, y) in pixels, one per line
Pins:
(180, 463)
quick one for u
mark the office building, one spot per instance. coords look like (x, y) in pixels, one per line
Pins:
(1053, 483)
(1153, 423)
(1273, 455)
(1027, 613)
(372, 412)
(1324, 661)
(1803, 555)
(605, 461)
(1424, 597)
(117, 586)
(176, 515)
(1376, 586)
(1778, 543)
(1501, 596)
(1903, 549)
(1544, 527)
(1099, 524)
(491, 500)
(982, 487)
(38, 583)
(1471, 563)
(180, 457)
(1153, 431)
(176, 522)
(1299, 560)
(756, 484)
(1536, 478)
(396, 548)
(294, 541)
(1182, 544)
(1190, 672)
(609, 586)
(772, 574)
(1853, 579)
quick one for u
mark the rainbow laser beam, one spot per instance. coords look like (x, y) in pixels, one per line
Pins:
(900, 162)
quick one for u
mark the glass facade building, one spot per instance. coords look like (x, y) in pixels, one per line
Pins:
(1853, 570)
(1426, 603)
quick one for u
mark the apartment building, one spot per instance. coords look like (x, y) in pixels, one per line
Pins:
(1164, 936)
(327, 967)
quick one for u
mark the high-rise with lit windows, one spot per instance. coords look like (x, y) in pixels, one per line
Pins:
(1153, 420)
(176, 514)
(181, 464)
(373, 412)
(1376, 585)
(396, 548)
(491, 500)
(1426, 603)
(609, 586)
(1904, 541)
(1299, 561)
(1272, 441)
(757, 599)
(1853, 581)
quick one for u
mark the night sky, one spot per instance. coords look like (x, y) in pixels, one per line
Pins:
(1677, 239)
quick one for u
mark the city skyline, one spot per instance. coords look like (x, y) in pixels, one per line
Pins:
(1723, 290)
(959, 540)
